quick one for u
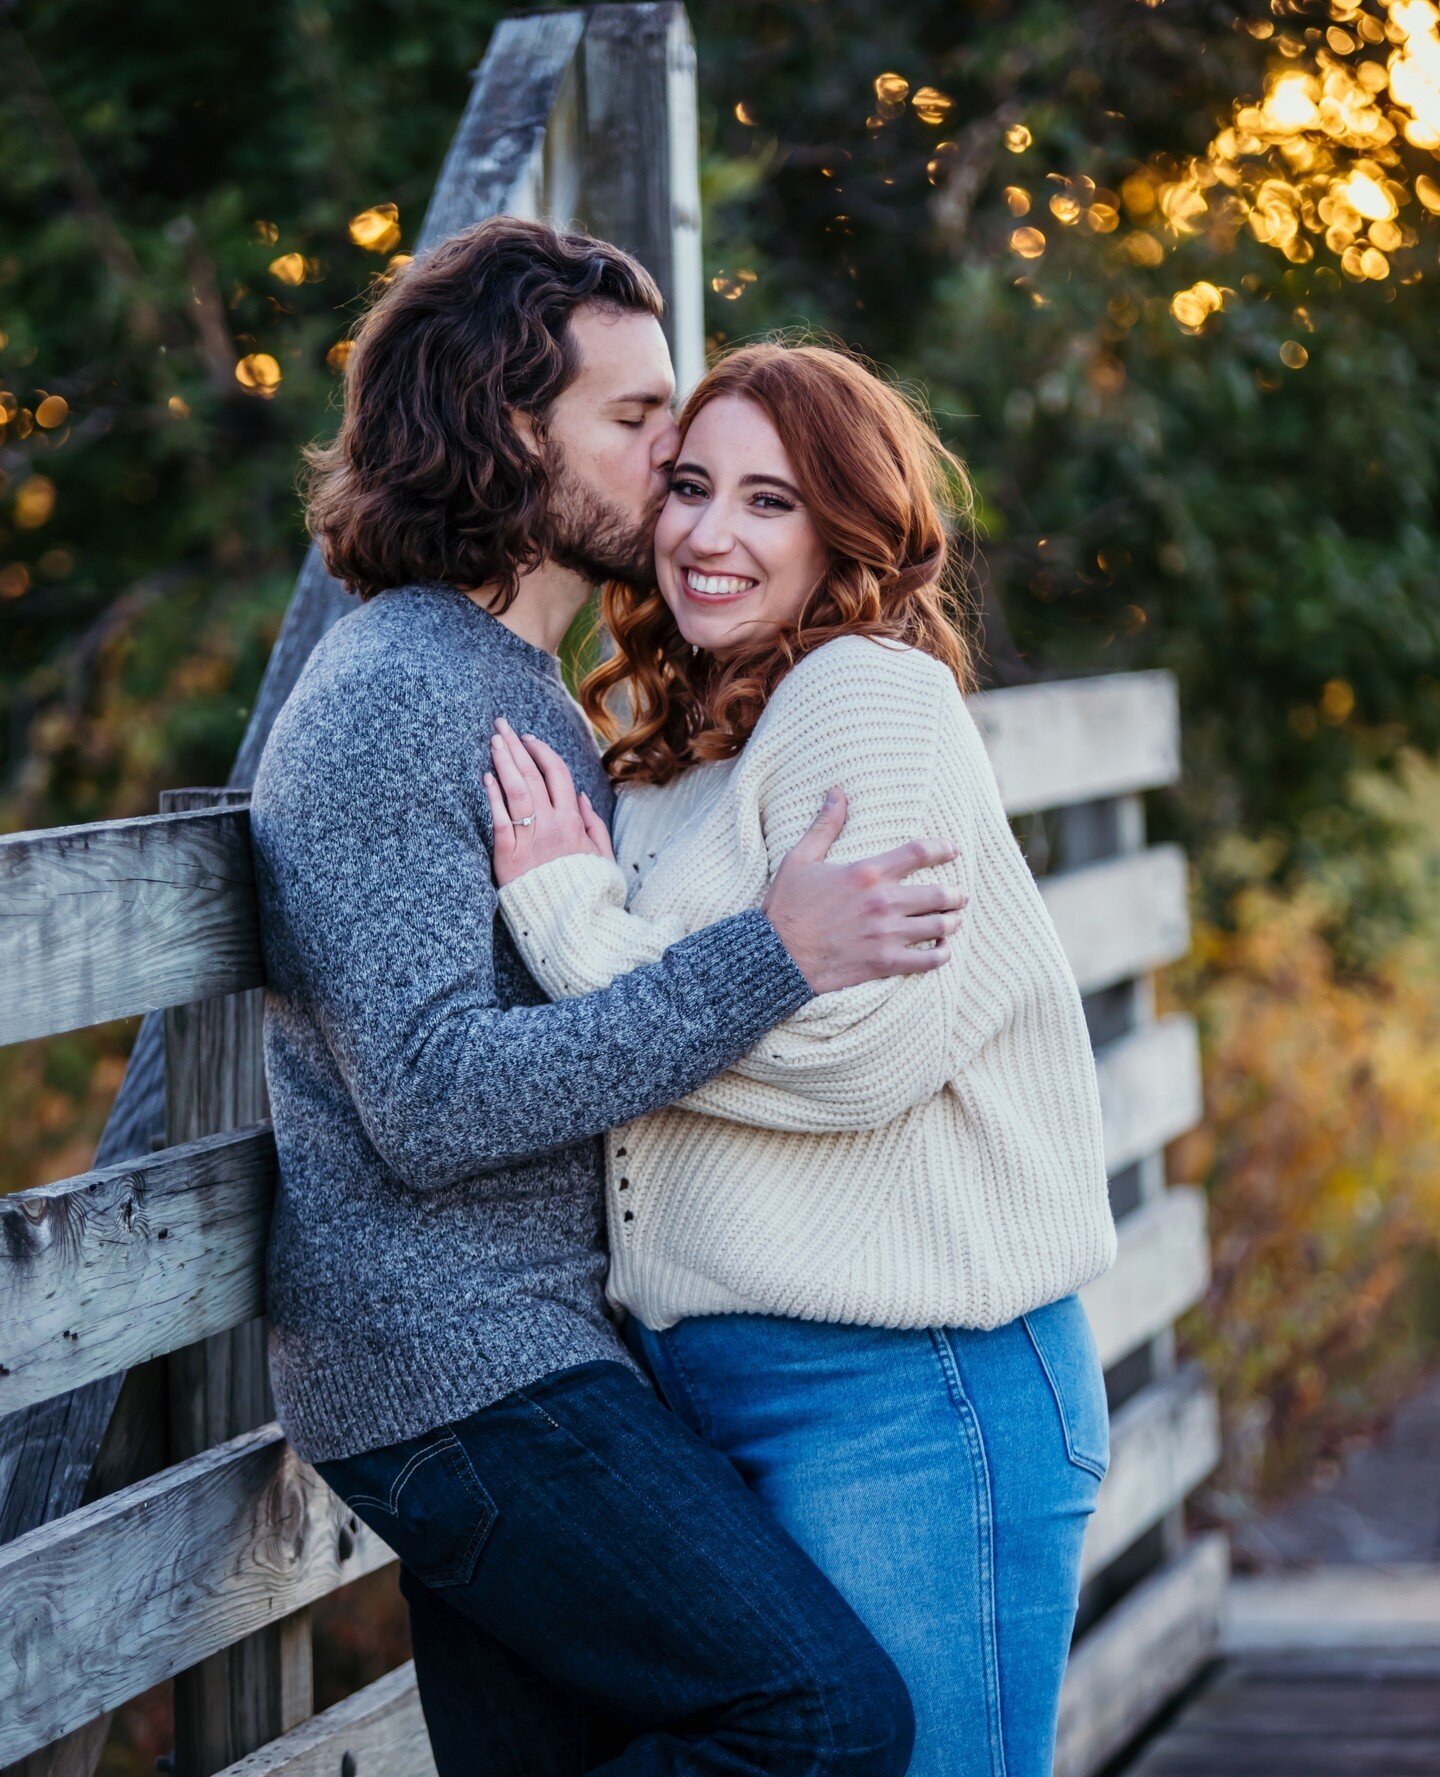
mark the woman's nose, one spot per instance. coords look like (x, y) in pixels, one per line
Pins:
(712, 532)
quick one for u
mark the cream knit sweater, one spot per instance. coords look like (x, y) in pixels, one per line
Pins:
(920, 1151)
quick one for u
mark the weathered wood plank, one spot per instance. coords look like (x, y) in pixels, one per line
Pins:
(380, 1730)
(1078, 739)
(642, 171)
(124, 1593)
(1161, 1269)
(1163, 1443)
(113, 1267)
(1121, 917)
(1149, 1088)
(118, 917)
(246, 1695)
(496, 162)
(1138, 1655)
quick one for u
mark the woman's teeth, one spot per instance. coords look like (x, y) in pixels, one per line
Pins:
(716, 585)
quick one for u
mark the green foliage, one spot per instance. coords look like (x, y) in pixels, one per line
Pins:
(160, 190)
(1150, 494)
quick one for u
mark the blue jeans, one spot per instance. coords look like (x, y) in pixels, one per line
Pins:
(592, 1588)
(942, 1479)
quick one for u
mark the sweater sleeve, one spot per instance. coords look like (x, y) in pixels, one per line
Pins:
(857, 1058)
(376, 863)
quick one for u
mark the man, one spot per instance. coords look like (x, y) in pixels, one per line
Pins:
(583, 1575)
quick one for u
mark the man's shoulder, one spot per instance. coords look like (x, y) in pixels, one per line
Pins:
(392, 677)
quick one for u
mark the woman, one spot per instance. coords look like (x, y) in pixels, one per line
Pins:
(850, 1262)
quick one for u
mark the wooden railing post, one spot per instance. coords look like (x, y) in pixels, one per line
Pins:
(254, 1691)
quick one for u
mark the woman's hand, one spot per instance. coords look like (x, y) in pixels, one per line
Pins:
(535, 811)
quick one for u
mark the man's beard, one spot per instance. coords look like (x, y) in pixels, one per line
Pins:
(594, 538)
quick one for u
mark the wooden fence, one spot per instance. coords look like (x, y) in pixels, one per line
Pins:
(191, 1541)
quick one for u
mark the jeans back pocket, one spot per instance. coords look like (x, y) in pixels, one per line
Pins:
(422, 1497)
(1065, 1347)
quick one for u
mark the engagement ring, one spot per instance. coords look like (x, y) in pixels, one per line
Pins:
(529, 821)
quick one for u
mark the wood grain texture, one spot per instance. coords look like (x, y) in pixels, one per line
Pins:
(1163, 1443)
(1077, 739)
(116, 1266)
(1121, 917)
(1149, 1088)
(1138, 1655)
(1162, 1268)
(103, 921)
(124, 1593)
(381, 1729)
(247, 1694)
(642, 160)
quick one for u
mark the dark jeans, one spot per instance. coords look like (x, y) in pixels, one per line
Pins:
(592, 1588)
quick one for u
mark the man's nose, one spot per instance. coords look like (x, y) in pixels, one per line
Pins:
(663, 452)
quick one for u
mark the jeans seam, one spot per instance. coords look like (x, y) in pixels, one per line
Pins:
(1091, 1465)
(677, 1363)
(985, 1525)
(724, 1576)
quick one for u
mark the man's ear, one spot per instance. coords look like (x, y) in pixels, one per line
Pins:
(523, 424)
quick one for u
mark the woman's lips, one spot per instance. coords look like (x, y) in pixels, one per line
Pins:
(715, 589)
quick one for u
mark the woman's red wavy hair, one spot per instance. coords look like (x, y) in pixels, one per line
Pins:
(878, 485)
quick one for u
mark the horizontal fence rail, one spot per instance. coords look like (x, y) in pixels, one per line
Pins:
(106, 1270)
(1076, 740)
(127, 1592)
(120, 917)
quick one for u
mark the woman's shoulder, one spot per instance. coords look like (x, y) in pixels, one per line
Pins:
(867, 680)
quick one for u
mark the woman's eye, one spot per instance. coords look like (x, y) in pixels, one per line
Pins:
(773, 503)
(687, 489)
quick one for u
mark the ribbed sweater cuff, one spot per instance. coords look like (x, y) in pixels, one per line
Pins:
(542, 895)
(739, 964)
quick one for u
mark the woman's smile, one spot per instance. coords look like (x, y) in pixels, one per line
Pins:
(716, 589)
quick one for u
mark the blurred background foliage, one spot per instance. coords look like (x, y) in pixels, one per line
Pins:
(1167, 274)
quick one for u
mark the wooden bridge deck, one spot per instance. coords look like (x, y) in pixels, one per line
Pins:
(1341, 1712)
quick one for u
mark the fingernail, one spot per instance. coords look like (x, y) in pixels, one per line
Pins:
(503, 725)
(830, 799)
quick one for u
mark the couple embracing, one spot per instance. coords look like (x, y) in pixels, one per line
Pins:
(689, 1154)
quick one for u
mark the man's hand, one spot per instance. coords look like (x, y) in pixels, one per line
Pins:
(848, 923)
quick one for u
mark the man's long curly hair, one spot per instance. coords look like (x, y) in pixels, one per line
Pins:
(878, 486)
(427, 479)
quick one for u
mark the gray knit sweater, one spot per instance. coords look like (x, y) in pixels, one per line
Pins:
(438, 1238)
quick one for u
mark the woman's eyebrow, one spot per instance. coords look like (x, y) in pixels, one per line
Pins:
(745, 480)
(769, 481)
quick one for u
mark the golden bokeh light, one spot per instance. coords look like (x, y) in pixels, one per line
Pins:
(742, 113)
(1029, 243)
(1017, 200)
(1293, 355)
(377, 229)
(931, 105)
(1337, 701)
(1317, 161)
(289, 268)
(53, 411)
(34, 503)
(339, 353)
(259, 373)
(1193, 307)
(179, 406)
(1018, 138)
